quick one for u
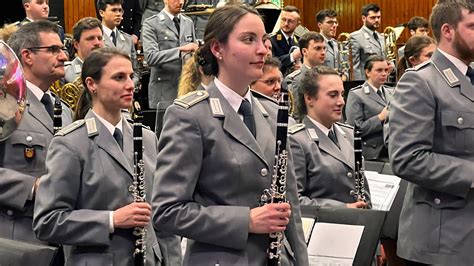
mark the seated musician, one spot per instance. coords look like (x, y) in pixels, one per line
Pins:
(270, 83)
(322, 148)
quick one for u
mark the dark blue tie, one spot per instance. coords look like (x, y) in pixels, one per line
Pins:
(48, 104)
(246, 111)
(333, 137)
(118, 137)
(470, 74)
(114, 39)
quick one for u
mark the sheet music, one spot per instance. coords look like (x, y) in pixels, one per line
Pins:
(334, 244)
(308, 224)
(383, 189)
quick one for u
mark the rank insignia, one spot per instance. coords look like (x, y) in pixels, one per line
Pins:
(29, 152)
(279, 37)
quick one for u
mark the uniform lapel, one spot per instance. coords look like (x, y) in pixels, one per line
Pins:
(38, 111)
(120, 41)
(346, 146)
(106, 142)
(372, 95)
(326, 144)
(128, 142)
(169, 23)
(265, 142)
(234, 125)
(452, 75)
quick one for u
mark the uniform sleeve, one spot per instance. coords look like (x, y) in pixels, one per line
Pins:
(15, 188)
(56, 218)
(151, 46)
(412, 148)
(356, 116)
(177, 173)
(356, 50)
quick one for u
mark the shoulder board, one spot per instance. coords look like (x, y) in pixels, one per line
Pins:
(184, 16)
(293, 74)
(70, 128)
(358, 87)
(260, 107)
(259, 95)
(345, 125)
(295, 128)
(124, 33)
(191, 98)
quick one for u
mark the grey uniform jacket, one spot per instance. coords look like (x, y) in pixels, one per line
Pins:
(150, 8)
(210, 172)
(89, 176)
(19, 173)
(293, 80)
(73, 70)
(362, 107)
(431, 146)
(364, 45)
(161, 46)
(324, 172)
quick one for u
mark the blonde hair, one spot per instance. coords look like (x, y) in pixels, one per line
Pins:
(190, 76)
(7, 31)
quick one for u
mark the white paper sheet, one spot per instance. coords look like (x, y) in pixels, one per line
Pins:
(334, 244)
(383, 189)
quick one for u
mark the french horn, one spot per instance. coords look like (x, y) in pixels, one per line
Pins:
(12, 91)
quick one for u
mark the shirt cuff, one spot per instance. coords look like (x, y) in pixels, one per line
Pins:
(111, 222)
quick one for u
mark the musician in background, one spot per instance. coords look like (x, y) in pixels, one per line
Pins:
(200, 20)
(367, 40)
(313, 48)
(38, 10)
(84, 201)
(417, 50)
(284, 42)
(418, 26)
(41, 53)
(167, 38)
(323, 148)
(216, 156)
(193, 76)
(270, 83)
(88, 36)
(367, 108)
(431, 144)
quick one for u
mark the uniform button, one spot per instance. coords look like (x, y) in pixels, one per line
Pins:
(29, 139)
(264, 172)
(199, 93)
(460, 120)
(159, 78)
(9, 212)
(437, 201)
(349, 174)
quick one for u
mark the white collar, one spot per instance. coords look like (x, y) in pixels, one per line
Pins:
(460, 65)
(373, 87)
(232, 97)
(170, 15)
(286, 35)
(108, 125)
(37, 91)
(324, 129)
(108, 31)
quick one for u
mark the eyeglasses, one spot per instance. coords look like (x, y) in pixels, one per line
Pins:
(271, 82)
(54, 49)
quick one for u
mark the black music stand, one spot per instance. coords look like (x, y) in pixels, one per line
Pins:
(372, 221)
(13, 252)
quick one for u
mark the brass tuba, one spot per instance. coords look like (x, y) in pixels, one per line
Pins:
(390, 47)
(344, 57)
(12, 91)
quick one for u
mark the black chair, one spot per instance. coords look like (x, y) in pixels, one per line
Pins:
(13, 252)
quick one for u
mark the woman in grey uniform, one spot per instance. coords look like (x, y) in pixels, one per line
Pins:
(84, 201)
(216, 155)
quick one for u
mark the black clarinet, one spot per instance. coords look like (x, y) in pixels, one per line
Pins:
(138, 187)
(359, 192)
(57, 112)
(277, 191)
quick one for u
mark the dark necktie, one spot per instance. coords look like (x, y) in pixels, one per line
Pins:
(246, 111)
(331, 44)
(48, 104)
(333, 137)
(114, 39)
(470, 74)
(176, 23)
(118, 137)
(376, 37)
(290, 41)
(381, 94)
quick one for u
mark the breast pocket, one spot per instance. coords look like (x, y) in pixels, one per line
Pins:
(28, 151)
(457, 131)
(167, 40)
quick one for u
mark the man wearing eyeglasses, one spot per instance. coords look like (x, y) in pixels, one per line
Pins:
(42, 55)
(313, 49)
(284, 42)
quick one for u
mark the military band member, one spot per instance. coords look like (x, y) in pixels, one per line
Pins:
(168, 37)
(367, 40)
(418, 26)
(367, 108)
(84, 201)
(38, 10)
(270, 83)
(417, 50)
(313, 48)
(322, 148)
(41, 52)
(431, 144)
(87, 35)
(216, 156)
(284, 42)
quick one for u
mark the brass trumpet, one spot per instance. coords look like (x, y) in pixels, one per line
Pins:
(390, 47)
(344, 57)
